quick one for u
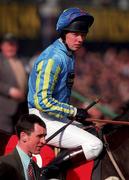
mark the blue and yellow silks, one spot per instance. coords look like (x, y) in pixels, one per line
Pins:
(50, 81)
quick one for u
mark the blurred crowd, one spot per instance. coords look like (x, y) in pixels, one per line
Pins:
(104, 75)
(13, 88)
(121, 4)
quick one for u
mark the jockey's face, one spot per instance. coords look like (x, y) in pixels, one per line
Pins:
(74, 40)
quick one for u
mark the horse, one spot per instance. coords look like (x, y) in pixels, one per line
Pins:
(116, 149)
(112, 162)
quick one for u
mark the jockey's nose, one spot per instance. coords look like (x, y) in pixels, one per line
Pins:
(80, 38)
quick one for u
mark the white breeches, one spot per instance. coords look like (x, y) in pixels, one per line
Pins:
(71, 137)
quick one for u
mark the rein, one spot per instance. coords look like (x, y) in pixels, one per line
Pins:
(106, 121)
(112, 159)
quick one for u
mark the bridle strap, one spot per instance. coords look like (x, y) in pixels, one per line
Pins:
(111, 157)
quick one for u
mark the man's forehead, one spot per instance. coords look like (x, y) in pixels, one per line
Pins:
(39, 129)
(11, 43)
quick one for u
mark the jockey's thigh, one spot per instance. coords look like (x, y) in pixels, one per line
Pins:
(71, 137)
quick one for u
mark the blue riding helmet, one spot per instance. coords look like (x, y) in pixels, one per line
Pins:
(74, 19)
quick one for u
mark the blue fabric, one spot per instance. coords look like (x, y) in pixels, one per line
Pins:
(68, 16)
(49, 81)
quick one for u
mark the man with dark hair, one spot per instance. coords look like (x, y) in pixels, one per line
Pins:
(31, 131)
(26, 124)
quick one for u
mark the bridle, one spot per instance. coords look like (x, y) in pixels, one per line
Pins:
(112, 159)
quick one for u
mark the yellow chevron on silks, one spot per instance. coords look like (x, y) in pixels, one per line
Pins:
(39, 70)
(45, 87)
(48, 88)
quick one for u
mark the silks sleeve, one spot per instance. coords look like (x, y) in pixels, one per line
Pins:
(47, 77)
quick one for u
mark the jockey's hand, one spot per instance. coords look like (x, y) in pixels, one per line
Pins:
(81, 116)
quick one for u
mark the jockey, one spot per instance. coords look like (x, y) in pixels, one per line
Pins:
(50, 84)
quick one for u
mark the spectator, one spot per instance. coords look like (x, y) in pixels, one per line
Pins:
(8, 172)
(31, 131)
(12, 87)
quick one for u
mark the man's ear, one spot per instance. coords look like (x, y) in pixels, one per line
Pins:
(23, 137)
